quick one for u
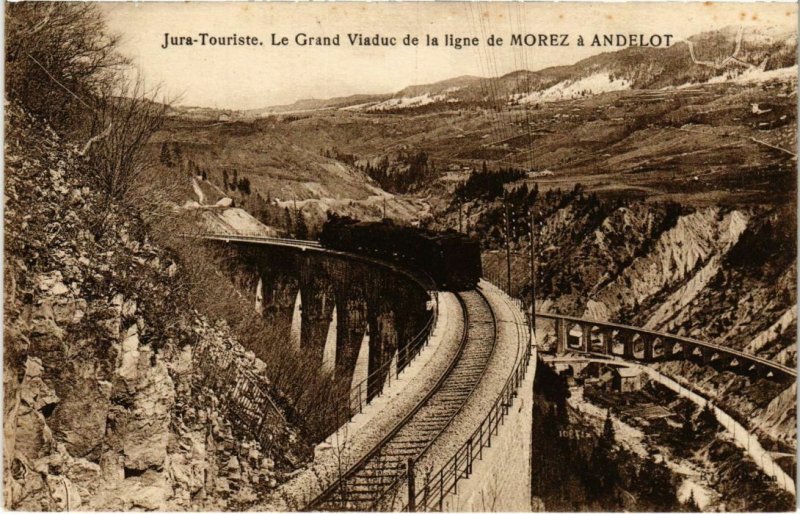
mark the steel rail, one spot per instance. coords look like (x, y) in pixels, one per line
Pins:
(372, 453)
(327, 494)
(461, 407)
(460, 464)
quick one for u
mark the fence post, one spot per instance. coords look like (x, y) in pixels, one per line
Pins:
(480, 442)
(455, 474)
(412, 497)
(441, 489)
(360, 408)
(426, 491)
(260, 426)
(489, 440)
(469, 457)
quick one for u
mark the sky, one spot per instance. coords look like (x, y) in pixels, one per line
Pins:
(247, 77)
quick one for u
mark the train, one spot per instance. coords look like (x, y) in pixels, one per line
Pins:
(451, 259)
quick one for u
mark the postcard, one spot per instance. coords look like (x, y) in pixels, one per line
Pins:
(400, 256)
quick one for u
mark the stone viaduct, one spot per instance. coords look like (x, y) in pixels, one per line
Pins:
(632, 343)
(353, 296)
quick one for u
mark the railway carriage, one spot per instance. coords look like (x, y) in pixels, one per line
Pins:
(452, 259)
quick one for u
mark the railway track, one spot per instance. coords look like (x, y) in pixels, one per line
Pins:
(375, 478)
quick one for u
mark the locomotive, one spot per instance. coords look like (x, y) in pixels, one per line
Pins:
(452, 259)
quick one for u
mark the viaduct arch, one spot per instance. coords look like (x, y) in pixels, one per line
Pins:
(365, 297)
(638, 344)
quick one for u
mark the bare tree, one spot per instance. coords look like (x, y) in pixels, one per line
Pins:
(59, 56)
(62, 65)
(122, 123)
(491, 493)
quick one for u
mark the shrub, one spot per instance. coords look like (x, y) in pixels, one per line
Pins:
(125, 118)
(59, 57)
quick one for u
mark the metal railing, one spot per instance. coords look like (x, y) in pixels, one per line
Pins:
(439, 484)
(353, 402)
(377, 449)
(404, 476)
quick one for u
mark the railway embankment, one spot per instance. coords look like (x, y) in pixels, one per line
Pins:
(511, 342)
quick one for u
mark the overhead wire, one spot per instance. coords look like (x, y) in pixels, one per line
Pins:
(487, 80)
(494, 80)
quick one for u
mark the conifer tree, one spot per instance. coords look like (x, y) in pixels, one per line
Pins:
(165, 158)
(691, 504)
(707, 419)
(687, 428)
(177, 154)
(287, 221)
(301, 229)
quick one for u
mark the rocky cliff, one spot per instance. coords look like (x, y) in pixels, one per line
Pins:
(721, 274)
(105, 406)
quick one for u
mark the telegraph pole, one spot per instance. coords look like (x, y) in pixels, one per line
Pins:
(508, 246)
(533, 272)
(412, 494)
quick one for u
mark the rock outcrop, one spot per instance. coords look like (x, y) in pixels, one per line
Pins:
(721, 274)
(105, 406)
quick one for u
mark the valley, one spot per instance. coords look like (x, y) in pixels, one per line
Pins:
(668, 207)
(193, 321)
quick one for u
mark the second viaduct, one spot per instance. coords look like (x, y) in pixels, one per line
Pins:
(633, 343)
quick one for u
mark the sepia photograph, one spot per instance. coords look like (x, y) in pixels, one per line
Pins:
(461, 256)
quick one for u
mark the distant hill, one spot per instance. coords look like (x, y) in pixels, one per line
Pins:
(441, 87)
(312, 104)
(710, 56)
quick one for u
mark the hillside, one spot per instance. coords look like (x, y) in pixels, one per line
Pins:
(711, 56)
(724, 275)
(310, 104)
(718, 55)
(283, 172)
(712, 125)
(107, 405)
(725, 142)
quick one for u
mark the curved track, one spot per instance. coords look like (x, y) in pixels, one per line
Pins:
(376, 476)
